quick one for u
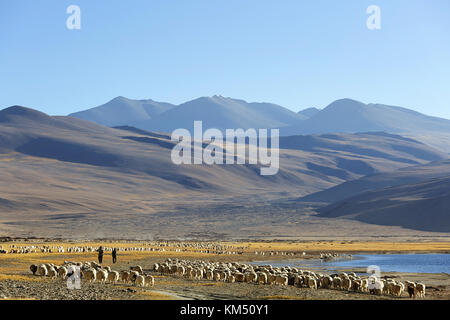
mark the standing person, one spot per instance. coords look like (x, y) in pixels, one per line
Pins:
(100, 254)
(114, 255)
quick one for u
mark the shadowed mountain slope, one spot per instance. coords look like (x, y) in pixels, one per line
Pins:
(76, 171)
(408, 175)
(422, 206)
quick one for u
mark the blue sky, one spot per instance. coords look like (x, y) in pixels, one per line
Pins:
(295, 53)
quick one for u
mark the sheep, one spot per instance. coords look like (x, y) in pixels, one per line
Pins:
(312, 283)
(240, 277)
(411, 289)
(337, 282)
(48, 265)
(298, 282)
(132, 276)
(364, 285)
(346, 284)
(343, 275)
(137, 269)
(376, 286)
(396, 289)
(357, 285)
(281, 280)
(52, 274)
(140, 281)
(102, 275)
(33, 269)
(209, 275)
(271, 279)
(223, 276)
(62, 272)
(326, 282)
(113, 276)
(251, 277)
(42, 270)
(173, 269)
(261, 278)
(90, 275)
(181, 270)
(149, 281)
(231, 279)
(123, 276)
(420, 289)
(156, 267)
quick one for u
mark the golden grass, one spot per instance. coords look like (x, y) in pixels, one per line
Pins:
(245, 246)
(21, 277)
(348, 246)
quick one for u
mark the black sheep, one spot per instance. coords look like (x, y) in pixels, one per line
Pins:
(411, 291)
(33, 269)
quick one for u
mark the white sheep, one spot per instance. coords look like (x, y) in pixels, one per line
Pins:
(124, 276)
(149, 281)
(420, 288)
(113, 276)
(42, 270)
(62, 272)
(140, 281)
(90, 275)
(261, 278)
(52, 273)
(312, 283)
(137, 269)
(102, 275)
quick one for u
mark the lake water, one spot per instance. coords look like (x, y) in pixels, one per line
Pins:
(423, 263)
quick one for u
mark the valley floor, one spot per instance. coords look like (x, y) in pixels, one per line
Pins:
(17, 282)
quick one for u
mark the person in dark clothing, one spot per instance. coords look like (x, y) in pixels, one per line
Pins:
(114, 255)
(100, 254)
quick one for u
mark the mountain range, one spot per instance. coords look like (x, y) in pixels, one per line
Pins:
(344, 115)
(64, 175)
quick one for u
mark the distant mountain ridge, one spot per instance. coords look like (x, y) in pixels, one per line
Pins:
(347, 115)
(123, 111)
(344, 115)
(309, 112)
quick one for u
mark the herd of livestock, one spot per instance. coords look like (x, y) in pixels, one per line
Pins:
(213, 271)
(232, 272)
(93, 272)
(284, 276)
(157, 246)
(154, 246)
